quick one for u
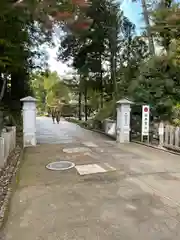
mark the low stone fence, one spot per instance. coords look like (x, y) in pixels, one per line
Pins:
(169, 136)
(163, 135)
(7, 144)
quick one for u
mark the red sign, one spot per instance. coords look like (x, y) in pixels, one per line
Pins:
(146, 109)
(145, 120)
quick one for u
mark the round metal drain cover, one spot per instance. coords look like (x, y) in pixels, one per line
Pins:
(60, 166)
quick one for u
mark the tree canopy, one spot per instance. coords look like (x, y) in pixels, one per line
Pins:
(111, 61)
(115, 62)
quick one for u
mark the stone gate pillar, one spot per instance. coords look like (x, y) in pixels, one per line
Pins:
(29, 121)
(123, 121)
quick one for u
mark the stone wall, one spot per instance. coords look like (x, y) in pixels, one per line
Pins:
(7, 144)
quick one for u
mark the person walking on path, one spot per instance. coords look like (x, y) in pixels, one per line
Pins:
(53, 114)
(58, 115)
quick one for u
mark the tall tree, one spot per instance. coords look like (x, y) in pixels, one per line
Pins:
(146, 16)
(165, 22)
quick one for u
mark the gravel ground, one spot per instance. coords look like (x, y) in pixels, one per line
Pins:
(6, 176)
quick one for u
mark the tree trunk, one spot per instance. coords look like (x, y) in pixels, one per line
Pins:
(3, 87)
(113, 62)
(101, 85)
(148, 26)
(2, 90)
(101, 94)
(79, 104)
(85, 100)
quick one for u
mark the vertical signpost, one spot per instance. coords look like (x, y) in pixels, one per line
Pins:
(145, 122)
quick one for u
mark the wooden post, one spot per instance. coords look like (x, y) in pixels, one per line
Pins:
(177, 131)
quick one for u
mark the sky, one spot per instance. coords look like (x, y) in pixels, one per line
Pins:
(132, 10)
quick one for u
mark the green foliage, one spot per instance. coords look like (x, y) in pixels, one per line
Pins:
(68, 110)
(22, 33)
(49, 90)
(86, 124)
(111, 61)
(176, 114)
(132, 71)
(106, 111)
(158, 85)
(166, 21)
(110, 42)
(94, 99)
(37, 82)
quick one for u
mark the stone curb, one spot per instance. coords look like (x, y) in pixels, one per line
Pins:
(101, 132)
(5, 205)
(157, 148)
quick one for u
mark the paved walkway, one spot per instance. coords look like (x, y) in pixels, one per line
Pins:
(136, 197)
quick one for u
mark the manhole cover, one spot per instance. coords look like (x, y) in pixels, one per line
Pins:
(76, 150)
(60, 166)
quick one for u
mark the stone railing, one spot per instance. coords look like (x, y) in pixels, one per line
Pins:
(169, 136)
(164, 135)
(7, 144)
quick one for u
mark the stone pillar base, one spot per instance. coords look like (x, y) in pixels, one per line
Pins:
(29, 139)
(123, 137)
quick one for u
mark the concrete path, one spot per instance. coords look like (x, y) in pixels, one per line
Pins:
(136, 197)
(64, 132)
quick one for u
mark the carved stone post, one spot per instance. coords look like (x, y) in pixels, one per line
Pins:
(29, 121)
(123, 121)
(161, 134)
